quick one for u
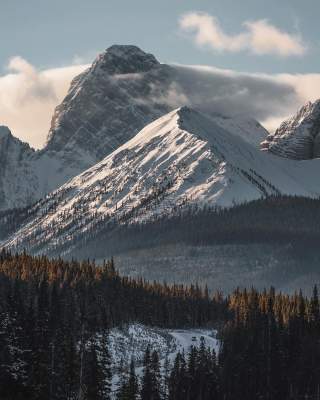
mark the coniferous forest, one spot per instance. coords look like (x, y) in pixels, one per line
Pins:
(56, 315)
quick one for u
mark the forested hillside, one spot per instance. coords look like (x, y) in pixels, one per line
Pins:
(274, 220)
(269, 341)
(268, 242)
(63, 306)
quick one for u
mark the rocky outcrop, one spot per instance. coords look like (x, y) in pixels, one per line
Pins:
(298, 137)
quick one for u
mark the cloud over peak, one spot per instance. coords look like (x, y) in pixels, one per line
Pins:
(28, 97)
(258, 37)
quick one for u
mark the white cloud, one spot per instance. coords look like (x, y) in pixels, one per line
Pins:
(28, 98)
(269, 98)
(265, 38)
(259, 37)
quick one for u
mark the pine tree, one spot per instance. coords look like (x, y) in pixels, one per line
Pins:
(151, 380)
(133, 387)
(314, 307)
(156, 376)
(178, 381)
(93, 375)
(41, 353)
(129, 388)
(147, 378)
(165, 377)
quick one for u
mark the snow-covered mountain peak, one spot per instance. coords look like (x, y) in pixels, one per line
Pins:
(299, 136)
(123, 91)
(124, 59)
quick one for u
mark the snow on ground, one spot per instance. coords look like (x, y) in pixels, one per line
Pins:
(130, 342)
(184, 339)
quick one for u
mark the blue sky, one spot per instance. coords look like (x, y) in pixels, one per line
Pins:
(274, 45)
(51, 33)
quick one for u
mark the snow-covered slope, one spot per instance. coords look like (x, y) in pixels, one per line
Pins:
(130, 343)
(26, 175)
(298, 137)
(183, 158)
(123, 91)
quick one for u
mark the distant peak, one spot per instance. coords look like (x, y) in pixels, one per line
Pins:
(125, 50)
(185, 109)
(188, 113)
(4, 131)
(125, 59)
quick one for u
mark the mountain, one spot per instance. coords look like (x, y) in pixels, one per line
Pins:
(298, 137)
(14, 171)
(123, 91)
(183, 159)
(107, 105)
(27, 175)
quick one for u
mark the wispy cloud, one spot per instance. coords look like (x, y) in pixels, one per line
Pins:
(259, 37)
(28, 97)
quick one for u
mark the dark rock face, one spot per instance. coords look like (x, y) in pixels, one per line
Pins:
(122, 59)
(124, 90)
(16, 180)
(298, 137)
(110, 102)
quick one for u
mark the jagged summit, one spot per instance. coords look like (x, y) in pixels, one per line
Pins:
(124, 59)
(4, 131)
(299, 136)
(123, 91)
(106, 105)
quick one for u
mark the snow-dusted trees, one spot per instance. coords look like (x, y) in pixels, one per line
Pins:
(54, 322)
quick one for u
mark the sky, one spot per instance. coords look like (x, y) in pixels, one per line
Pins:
(44, 44)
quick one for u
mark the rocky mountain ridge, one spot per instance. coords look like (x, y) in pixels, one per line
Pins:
(124, 90)
(182, 159)
(299, 136)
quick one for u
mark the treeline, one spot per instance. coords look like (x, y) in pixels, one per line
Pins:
(11, 220)
(54, 315)
(273, 220)
(191, 376)
(271, 347)
(270, 350)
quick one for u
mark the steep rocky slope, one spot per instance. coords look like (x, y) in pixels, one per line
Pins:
(123, 91)
(298, 137)
(182, 159)
(15, 170)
